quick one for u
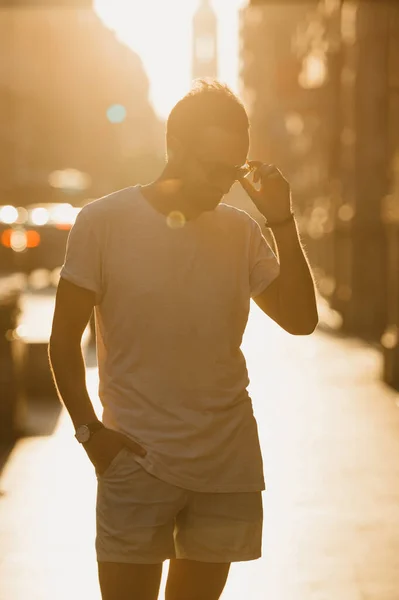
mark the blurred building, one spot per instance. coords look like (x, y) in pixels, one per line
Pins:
(347, 236)
(283, 113)
(320, 81)
(205, 42)
(76, 118)
(269, 77)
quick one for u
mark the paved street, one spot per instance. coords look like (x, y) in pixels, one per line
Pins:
(330, 438)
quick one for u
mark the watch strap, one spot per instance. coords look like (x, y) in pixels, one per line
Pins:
(280, 223)
(95, 426)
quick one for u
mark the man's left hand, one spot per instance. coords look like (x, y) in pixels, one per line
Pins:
(273, 199)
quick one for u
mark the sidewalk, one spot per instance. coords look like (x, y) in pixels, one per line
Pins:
(329, 431)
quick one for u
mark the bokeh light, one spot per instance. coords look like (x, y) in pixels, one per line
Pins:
(116, 113)
(176, 220)
(314, 72)
(64, 214)
(39, 216)
(8, 214)
(18, 240)
(69, 179)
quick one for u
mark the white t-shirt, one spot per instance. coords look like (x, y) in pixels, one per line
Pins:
(172, 305)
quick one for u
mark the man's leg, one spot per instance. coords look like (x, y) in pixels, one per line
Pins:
(125, 581)
(194, 580)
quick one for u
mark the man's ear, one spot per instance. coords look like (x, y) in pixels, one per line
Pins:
(176, 151)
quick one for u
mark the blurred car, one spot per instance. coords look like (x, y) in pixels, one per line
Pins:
(9, 215)
(34, 237)
(33, 242)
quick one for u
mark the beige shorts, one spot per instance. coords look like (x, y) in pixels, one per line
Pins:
(142, 519)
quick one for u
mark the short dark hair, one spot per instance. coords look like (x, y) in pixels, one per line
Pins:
(209, 103)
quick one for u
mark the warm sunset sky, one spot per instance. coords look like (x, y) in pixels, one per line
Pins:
(160, 32)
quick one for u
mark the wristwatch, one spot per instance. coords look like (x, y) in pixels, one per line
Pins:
(84, 432)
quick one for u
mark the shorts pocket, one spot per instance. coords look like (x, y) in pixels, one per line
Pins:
(114, 462)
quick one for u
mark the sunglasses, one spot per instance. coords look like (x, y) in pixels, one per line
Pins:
(216, 171)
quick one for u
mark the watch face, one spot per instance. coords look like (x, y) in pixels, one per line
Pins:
(83, 434)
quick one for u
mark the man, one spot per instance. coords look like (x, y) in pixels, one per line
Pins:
(170, 271)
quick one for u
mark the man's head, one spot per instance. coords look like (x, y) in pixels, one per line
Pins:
(207, 139)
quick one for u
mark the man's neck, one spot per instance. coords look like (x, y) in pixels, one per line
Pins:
(166, 196)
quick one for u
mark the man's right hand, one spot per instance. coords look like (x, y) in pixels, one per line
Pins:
(105, 444)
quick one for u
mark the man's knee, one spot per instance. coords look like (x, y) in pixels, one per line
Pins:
(126, 581)
(194, 580)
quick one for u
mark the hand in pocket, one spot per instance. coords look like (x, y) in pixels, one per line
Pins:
(105, 445)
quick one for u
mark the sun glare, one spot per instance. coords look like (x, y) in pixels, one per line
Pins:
(161, 34)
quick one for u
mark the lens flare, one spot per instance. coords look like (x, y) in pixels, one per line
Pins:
(176, 220)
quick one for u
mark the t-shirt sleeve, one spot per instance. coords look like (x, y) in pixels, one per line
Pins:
(82, 265)
(263, 263)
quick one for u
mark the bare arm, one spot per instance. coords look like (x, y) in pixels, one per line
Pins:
(290, 300)
(73, 308)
